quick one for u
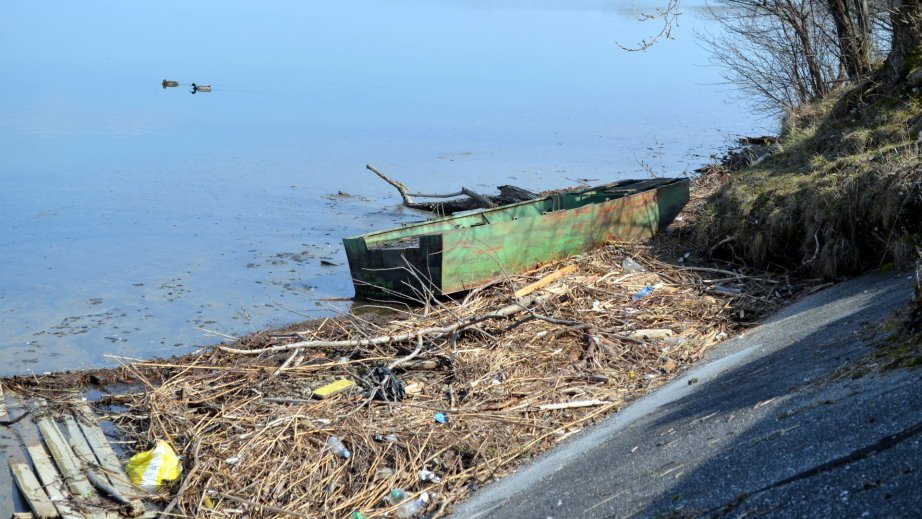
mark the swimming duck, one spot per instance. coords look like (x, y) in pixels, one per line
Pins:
(200, 88)
(167, 83)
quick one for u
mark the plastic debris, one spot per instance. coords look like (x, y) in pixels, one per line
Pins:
(441, 418)
(413, 507)
(631, 266)
(333, 388)
(651, 333)
(384, 473)
(385, 385)
(337, 448)
(396, 496)
(357, 515)
(428, 475)
(389, 438)
(151, 469)
(642, 293)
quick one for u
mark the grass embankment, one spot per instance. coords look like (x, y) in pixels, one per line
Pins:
(840, 194)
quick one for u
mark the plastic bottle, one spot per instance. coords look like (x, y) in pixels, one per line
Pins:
(397, 495)
(642, 293)
(428, 475)
(630, 266)
(337, 448)
(413, 507)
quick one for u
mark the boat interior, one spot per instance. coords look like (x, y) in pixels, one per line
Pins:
(407, 235)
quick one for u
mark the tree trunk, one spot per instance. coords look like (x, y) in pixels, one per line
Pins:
(863, 18)
(799, 22)
(853, 54)
(906, 46)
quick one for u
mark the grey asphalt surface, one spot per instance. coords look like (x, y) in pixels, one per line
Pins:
(773, 423)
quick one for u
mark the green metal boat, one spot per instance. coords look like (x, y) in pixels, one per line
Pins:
(474, 248)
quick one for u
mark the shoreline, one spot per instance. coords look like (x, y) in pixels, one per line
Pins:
(503, 406)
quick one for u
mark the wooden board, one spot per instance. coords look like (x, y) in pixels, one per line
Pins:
(2, 404)
(44, 467)
(32, 490)
(84, 451)
(78, 443)
(65, 459)
(50, 483)
(108, 461)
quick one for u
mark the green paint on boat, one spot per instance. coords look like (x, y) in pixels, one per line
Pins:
(470, 249)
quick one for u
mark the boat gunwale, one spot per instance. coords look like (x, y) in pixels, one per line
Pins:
(368, 238)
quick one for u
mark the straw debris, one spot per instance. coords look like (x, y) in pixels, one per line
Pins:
(486, 383)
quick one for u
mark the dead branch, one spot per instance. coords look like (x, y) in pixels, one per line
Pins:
(502, 313)
(411, 356)
(571, 405)
(474, 200)
(401, 187)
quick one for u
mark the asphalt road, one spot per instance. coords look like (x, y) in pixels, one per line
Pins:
(773, 423)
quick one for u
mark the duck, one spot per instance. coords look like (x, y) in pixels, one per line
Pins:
(200, 88)
(167, 83)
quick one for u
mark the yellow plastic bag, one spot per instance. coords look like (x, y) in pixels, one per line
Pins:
(150, 469)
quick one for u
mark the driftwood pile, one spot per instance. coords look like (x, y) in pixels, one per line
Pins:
(513, 369)
(440, 399)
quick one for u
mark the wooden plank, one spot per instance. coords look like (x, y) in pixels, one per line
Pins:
(32, 490)
(78, 442)
(44, 467)
(70, 467)
(2, 404)
(91, 466)
(65, 459)
(23, 515)
(108, 461)
(543, 282)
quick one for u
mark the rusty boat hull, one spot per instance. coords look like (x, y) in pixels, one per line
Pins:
(467, 250)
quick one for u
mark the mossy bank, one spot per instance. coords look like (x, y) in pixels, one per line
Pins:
(839, 194)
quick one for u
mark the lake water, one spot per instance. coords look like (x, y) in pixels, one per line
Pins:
(133, 216)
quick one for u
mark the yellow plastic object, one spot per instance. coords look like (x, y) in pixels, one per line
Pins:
(151, 469)
(333, 388)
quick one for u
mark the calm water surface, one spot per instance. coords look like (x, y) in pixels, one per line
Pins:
(132, 216)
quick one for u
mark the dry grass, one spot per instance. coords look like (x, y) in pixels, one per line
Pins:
(252, 436)
(258, 437)
(841, 196)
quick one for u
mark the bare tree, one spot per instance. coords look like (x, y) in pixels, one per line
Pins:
(668, 17)
(781, 53)
(906, 41)
(851, 19)
(784, 53)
